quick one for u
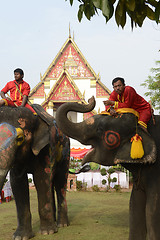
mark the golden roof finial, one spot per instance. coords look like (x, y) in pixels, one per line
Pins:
(69, 31)
(40, 76)
(83, 94)
(99, 110)
(98, 76)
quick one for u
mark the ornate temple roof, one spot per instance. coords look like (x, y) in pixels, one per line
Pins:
(59, 82)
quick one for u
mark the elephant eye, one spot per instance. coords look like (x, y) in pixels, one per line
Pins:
(20, 140)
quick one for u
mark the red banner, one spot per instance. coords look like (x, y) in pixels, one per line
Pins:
(78, 153)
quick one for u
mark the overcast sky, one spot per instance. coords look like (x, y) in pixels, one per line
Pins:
(33, 31)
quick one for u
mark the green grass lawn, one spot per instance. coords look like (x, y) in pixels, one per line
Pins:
(92, 216)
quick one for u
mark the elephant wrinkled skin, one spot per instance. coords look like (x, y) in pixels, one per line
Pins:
(30, 144)
(110, 139)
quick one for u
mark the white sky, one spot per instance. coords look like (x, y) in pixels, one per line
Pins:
(33, 31)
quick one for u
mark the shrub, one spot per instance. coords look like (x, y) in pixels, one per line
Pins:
(95, 188)
(30, 180)
(84, 186)
(114, 179)
(104, 181)
(103, 171)
(117, 187)
(79, 185)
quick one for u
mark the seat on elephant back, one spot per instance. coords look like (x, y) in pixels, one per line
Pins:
(121, 111)
(43, 114)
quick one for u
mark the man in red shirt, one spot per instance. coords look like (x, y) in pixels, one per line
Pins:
(126, 97)
(19, 91)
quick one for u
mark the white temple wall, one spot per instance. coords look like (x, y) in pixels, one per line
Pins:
(83, 85)
(72, 116)
(95, 178)
(39, 100)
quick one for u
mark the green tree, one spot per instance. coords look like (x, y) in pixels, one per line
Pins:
(153, 85)
(135, 10)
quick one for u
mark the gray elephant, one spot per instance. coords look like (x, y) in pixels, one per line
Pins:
(34, 144)
(110, 138)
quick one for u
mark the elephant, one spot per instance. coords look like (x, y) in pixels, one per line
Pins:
(110, 138)
(34, 144)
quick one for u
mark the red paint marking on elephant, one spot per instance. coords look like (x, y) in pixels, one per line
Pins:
(5, 134)
(47, 170)
(111, 139)
(22, 122)
(3, 162)
(49, 215)
(64, 196)
(47, 182)
(53, 134)
(47, 206)
(28, 135)
(48, 194)
(47, 159)
(90, 121)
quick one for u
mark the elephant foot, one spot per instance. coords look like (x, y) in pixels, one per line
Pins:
(49, 230)
(63, 221)
(22, 235)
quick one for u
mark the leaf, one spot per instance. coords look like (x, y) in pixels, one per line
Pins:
(157, 12)
(119, 8)
(131, 4)
(71, 2)
(87, 12)
(104, 6)
(80, 14)
(123, 19)
(150, 13)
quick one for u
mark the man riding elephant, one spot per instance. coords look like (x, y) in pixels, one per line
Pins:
(126, 97)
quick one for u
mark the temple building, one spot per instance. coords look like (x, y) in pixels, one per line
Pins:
(70, 78)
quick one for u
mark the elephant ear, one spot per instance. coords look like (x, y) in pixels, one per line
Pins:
(149, 146)
(40, 137)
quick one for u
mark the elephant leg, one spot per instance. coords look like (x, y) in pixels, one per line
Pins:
(20, 190)
(60, 184)
(42, 180)
(153, 213)
(137, 215)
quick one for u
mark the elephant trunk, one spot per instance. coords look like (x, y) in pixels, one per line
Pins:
(3, 174)
(74, 130)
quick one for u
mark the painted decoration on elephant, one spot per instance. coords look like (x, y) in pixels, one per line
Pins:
(87, 115)
(73, 62)
(111, 139)
(39, 92)
(100, 92)
(65, 91)
(7, 134)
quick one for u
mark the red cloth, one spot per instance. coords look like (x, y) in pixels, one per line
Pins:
(12, 104)
(15, 95)
(130, 99)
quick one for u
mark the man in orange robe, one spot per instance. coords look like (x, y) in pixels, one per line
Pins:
(126, 97)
